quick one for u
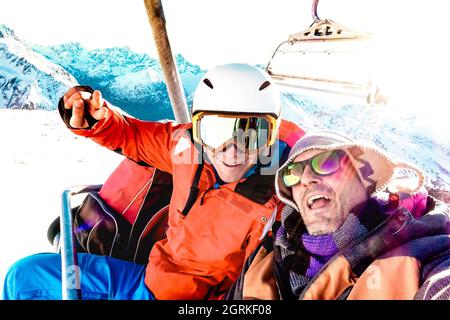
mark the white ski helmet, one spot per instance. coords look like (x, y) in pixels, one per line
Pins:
(237, 88)
(239, 103)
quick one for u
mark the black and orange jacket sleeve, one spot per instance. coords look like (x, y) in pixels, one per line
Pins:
(145, 142)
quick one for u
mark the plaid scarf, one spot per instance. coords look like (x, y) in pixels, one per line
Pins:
(303, 255)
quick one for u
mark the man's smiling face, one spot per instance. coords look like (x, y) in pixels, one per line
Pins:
(232, 163)
(326, 201)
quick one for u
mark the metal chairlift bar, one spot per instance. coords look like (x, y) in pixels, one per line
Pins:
(71, 289)
(278, 76)
(71, 285)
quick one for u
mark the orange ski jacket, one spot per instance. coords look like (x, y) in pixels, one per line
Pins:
(210, 234)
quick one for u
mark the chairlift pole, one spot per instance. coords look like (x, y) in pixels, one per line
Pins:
(157, 20)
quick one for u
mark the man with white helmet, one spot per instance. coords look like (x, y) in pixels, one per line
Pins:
(223, 166)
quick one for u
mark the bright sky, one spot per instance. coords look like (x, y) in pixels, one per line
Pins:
(410, 35)
(211, 31)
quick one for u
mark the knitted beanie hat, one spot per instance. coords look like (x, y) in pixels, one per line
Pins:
(374, 167)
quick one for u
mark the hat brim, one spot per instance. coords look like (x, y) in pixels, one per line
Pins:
(373, 166)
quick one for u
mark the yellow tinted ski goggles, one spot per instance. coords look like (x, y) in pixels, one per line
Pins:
(250, 132)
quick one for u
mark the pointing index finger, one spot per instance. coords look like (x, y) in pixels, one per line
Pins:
(74, 89)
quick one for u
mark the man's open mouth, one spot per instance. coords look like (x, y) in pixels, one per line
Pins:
(231, 165)
(318, 201)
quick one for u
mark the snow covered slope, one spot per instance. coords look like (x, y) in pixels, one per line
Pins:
(40, 159)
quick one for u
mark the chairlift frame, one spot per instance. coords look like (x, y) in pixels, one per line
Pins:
(322, 31)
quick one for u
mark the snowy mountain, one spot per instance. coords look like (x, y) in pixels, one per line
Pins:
(34, 77)
(132, 81)
(27, 79)
(6, 32)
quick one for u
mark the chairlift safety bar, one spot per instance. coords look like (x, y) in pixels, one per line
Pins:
(70, 272)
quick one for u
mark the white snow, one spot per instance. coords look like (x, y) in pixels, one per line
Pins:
(39, 158)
